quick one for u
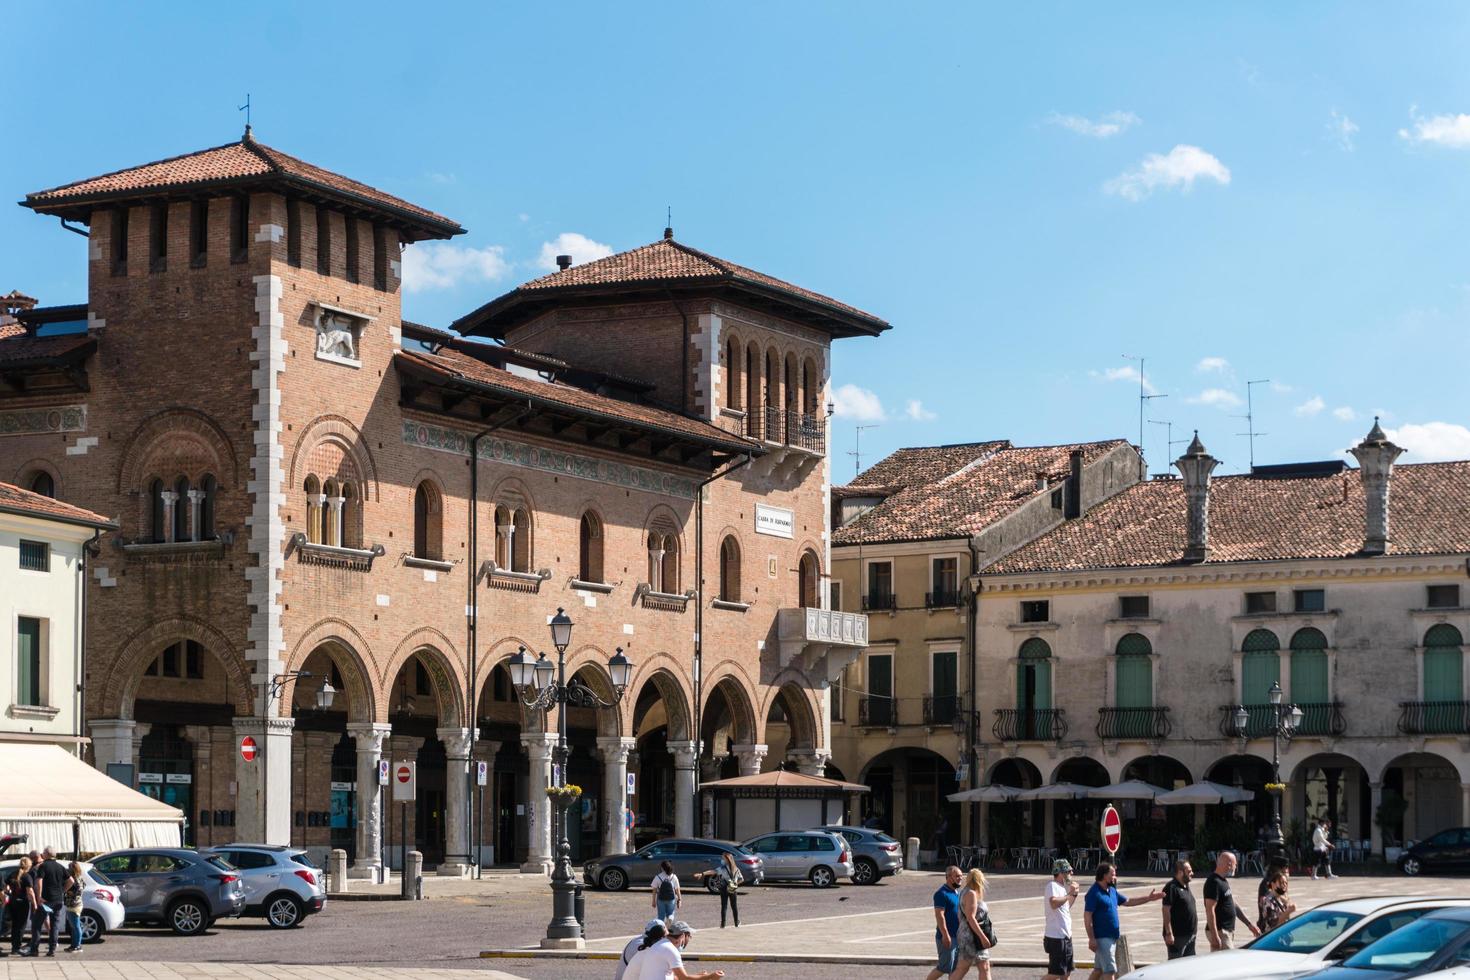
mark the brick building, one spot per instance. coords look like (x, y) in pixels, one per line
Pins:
(290, 464)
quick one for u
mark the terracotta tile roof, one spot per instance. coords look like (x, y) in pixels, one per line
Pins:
(20, 349)
(957, 491)
(453, 364)
(666, 263)
(10, 328)
(14, 500)
(243, 161)
(1255, 519)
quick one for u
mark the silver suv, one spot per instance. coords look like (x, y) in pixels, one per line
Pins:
(173, 886)
(281, 883)
(814, 855)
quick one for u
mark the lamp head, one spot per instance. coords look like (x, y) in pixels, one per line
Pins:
(325, 695)
(561, 630)
(545, 671)
(1242, 717)
(522, 670)
(1296, 717)
(620, 668)
(1275, 693)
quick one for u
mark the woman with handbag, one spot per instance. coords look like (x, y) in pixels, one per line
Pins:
(976, 934)
(73, 904)
(727, 880)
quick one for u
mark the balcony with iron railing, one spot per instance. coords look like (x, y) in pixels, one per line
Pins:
(942, 599)
(942, 709)
(1030, 724)
(877, 710)
(1434, 717)
(798, 430)
(1318, 718)
(880, 602)
(1144, 723)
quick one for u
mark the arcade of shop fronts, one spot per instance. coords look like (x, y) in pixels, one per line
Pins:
(337, 528)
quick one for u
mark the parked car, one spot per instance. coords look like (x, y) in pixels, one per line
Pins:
(174, 886)
(1316, 938)
(281, 884)
(812, 855)
(687, 854)
(875, 855)
(1448, 850)
(1437, 941)
(102, 907)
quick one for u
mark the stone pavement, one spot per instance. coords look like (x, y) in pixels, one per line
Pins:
(80, 968)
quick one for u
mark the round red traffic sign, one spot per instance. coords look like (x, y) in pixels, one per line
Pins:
(404, 774)
(628, 819)
(1112, 829)
(248, 749)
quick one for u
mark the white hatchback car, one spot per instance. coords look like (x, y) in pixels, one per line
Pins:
(1314, 939)
(102, 907)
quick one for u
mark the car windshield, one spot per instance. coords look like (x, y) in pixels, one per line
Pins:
(1307, 933)
(220, 863)
(1409, 947)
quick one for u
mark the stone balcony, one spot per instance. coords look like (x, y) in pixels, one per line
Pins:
(826, 640)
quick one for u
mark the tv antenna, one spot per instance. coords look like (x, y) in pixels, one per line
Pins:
(245, 109)
(857, 447)
(1168, 435)
(1250, 418)
(1143, 399)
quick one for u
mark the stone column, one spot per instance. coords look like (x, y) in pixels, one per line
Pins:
(458, 744)
(485, 751)
(316, 532)
(809, 762)
(750, 758)
(337, 538)
(196, 500)
(1375, 832)
(202, 738)
(539, 746)
(1411, 805)
(170, 501)
(112, 742)
(684, 762)
(264, 801)
(984, 824)
(1465, 804)
(1048, 823)
(369, 738)
(614, 752)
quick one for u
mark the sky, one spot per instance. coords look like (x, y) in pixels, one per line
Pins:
(1028, 192)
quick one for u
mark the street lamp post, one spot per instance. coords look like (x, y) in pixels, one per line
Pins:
(539, 691)
(1285, 719)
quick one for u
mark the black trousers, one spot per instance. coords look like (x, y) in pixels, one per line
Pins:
(728, 899)
(1324, 862)
(1185, 948)
(56, 918)
(19, 914)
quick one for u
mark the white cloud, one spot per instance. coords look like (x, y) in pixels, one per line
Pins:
(1207, 364)
(1344, 413)
(440, 265)
(1281, 387)
(1445, 130)
(581, 248)
(916, 411)
(1126, 373)
(1180, 168)
(1108, 124)
(1430, 441)
(523, 217)
(1312, 406)
(858, 404)
(441, 178)
(1342, 129)
(1218, 397)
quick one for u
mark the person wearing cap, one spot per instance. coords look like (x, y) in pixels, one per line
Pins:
(652, 933)
(664, 961)
(1059, 897)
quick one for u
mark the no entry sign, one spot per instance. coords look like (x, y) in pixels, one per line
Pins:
(1111, 829)
(405, 782)
(248, 749)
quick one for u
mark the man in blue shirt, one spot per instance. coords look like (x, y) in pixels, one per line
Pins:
(946, 923)
(1100, 915)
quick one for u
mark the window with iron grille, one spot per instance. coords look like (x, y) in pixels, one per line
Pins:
(1133, 606)
(1260, 602)
(35, 556)
(1036, 611)
(1444, 596)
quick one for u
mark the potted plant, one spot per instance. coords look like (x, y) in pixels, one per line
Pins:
(564, 796)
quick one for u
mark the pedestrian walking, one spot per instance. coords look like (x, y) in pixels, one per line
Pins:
(1221, 914)
(1181, 921)
(1276, 904)
(73, 903)
(667, 894)
(946, 923)
(727, 881)
(652, 933)
(976, 935)
(1323, 847)
(664, 960)
(1059, 897)
(1100, 916)
(18, 902)
(49, 882)
(941, 837)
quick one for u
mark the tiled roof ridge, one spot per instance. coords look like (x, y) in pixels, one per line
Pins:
(136, 166)
(727, 268)
(14, 499)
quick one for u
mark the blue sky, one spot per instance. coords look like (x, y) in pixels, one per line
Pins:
(1027, 192)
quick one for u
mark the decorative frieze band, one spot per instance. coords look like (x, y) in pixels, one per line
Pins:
(30, 421)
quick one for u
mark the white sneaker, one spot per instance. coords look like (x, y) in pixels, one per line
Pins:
(1314, 876)
(1332, 875)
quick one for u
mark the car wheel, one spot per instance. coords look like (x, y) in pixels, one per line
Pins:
(822, 877)
(711, 886)
(1410, 865)
(92, 927)
(283, 912)
(614, 879)
(865, 872)
(188, 918)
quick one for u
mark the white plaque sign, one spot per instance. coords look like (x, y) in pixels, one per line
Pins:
(776, 521)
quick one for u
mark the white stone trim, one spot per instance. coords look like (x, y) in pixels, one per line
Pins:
(104, 577)
(266, 529)
(346, 361)
(80, 447)
(269, 232)
(706, 340)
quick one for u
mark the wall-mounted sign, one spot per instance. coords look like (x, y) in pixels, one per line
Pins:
(179, 777)
(150, 777)
(776, 521)
(340, 787)
(482, 773)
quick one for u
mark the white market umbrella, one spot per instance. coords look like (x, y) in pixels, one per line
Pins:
(1132, 789)
(993, 793)
(1204, 792)
(1056, 791)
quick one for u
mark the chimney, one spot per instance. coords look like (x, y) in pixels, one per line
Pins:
(1074, 486)
(1195, 466)
(1040, 480)
(1375, 456)
(563, 262)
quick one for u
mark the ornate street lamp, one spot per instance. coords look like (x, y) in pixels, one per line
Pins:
(1285, 720)
(540, 685)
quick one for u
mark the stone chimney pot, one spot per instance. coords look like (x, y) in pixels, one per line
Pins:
(1195, 466)
(1376, 455)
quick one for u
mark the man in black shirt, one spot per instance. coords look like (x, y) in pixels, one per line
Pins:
(48, 900)
(1180, 920)
(1220, 916)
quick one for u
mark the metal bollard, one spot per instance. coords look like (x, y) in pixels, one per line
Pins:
(413, 876)
(911, 855)
(579, 902)
(337, 871)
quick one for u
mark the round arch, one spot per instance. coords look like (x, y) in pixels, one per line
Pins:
(1014, 771)
(1158, 770)
(345, 647)
(803, 714)
(727, 703)
(439, 658)
(667, 680)
(190, 426)
(589, 666)
(120, 689)
(1082, 770)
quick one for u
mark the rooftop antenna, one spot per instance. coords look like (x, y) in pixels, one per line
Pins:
(1168, 435)
(669, 222)
(246, 109)
(1143, 399)
(857, 447)
(1250, 418)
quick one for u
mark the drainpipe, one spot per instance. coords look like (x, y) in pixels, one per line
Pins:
(80, 691)
(699, 613)
(973, 720)
(472, 616)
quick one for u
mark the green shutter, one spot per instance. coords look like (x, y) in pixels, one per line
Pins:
(880, 675)
(1257, 673)
(1444, 677)
(1308, 677)
(1134, 682)
(28, 649)
(944, 674)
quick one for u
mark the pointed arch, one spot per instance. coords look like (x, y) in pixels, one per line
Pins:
(119, 690)
(441, 660)
(350, 653)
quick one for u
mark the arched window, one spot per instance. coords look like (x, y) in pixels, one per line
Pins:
(520, 555)
(181, 509)
(503, 530)
(427, 522)
(656, 562)
(809, 387)
(1033, 686)
(773, 381)
(732, 374)
(730, 569)
(312, 488)
(209, 487)
(1444, 677)
(670, 576)
(1309, 668)
(808, 572)
(349, 519)
(329, 511)
(752, 389)
(1260, 666)
(589, 548)
(157, 524)
(1133, 674)
(43, 484)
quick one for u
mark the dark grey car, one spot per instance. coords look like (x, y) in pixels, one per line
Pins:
(174, 886)
(688, 855)
(875, 855)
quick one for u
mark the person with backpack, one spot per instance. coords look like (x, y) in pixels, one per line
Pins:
(727, 879)
(652, 933)
(667, 895)
(976, 935)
